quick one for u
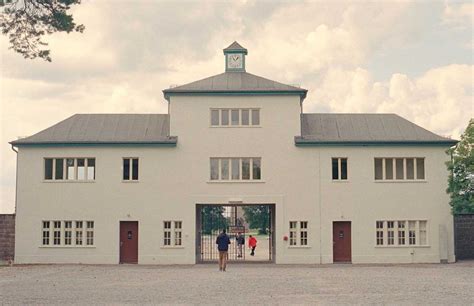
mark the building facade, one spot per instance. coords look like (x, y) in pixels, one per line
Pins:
(110, 188)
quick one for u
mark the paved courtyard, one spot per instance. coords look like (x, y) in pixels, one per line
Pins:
(251, 284)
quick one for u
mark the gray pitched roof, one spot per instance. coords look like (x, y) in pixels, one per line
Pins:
(364, 129)
(235, 82)
(235, 46)
(105, 129)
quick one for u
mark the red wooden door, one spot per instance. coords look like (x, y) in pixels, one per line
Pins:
(128, 242)
(341, 237)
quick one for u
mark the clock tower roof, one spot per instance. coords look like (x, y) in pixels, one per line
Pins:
(235, 80)
(235, 47)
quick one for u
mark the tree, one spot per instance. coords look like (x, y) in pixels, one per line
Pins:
(212, 219)
(25, 22)
(461, 178)
(258, 217)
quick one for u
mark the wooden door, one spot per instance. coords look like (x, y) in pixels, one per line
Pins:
(341, 237)
(128, 241)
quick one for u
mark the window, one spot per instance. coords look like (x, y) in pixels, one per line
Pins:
(234, 114)
(390, 233)
(91, 169)
(57, 233)
(298, 233)
(420, 168)
(245, 117)
(255, 117)
(72, 231)
(293, 232)
(235, 169)
(78, 232)
(401, 232)
(172, 229)
(67, 232)
(379, 226)
(46, 225)
(304, 233)
(399, 168)
(224, 116)
(48, 169)
(215, 117)
(130, 169)
(235, 117)
(69, 169)
(422, 231)
(90, 233)
(339, 168)
(81, 169)
(177, 233)
(59, 173)
(167, 233)
(412, 232)
(246, 168)
(395, 233)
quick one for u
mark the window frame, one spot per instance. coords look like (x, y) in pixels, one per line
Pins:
(297, 240)
(339, 169)
(396, 177)
(130, 170)
(66, 240)
(218, 161)
(173, 232)
(65, 171)
(406, 230)
(239, 124)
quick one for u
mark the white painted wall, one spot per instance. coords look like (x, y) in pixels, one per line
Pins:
(173, 180)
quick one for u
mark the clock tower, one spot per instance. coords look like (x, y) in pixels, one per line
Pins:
(235, 58)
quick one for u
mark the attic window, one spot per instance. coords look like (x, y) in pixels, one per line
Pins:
(235, 117)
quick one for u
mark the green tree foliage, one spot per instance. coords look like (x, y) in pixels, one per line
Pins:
(461, 178)
(25, 22)
(258, 217)
(212, 219)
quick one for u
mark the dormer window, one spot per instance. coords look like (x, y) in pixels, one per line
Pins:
(235, 117)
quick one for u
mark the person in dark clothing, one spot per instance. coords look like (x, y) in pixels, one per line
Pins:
(240, 244)
(223, 242)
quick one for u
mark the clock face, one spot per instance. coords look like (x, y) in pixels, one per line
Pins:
(234, 61)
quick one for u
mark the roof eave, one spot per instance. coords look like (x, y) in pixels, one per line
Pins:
(171, 142)
(301, 142)
(168, 93)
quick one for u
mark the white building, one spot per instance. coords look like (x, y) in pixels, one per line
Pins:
(110, 188)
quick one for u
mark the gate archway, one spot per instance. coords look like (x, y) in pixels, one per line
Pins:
(245, 219)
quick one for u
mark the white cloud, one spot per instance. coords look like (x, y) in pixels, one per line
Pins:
(440, 100)
(460, 15)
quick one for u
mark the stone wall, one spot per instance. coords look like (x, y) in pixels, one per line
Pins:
(464, 236)
(7, 237)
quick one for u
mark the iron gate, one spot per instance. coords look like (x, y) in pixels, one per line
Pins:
(211, 219)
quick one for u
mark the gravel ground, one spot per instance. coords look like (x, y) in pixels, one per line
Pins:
(251, 284)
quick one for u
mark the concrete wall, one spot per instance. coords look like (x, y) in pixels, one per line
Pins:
(7, 236)
(464, 235)
(173, 180)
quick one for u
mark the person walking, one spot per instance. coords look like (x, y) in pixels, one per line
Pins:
(223, 242)
(240, 243)
(252, 244)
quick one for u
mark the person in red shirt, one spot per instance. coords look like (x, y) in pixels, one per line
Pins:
(252, 244)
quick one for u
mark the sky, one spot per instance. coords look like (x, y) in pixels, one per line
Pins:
(410, 58)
